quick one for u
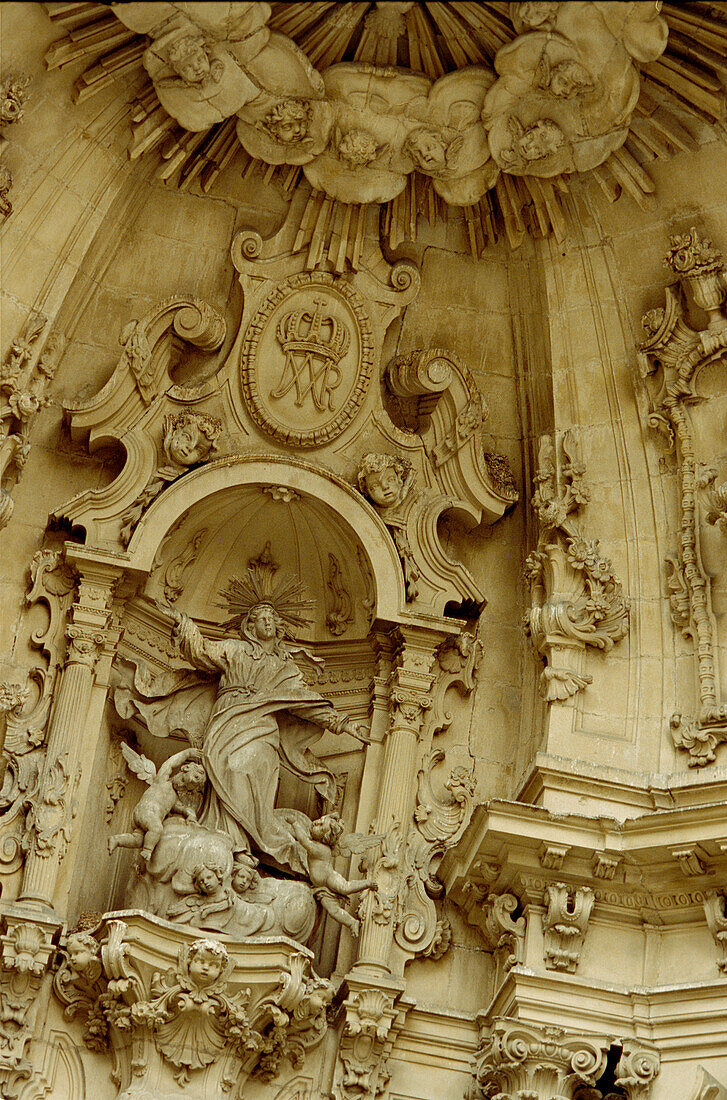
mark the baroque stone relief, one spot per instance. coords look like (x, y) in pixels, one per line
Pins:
(560, 98)
(522, 1059)
(673, 357)
(576, 598)
(299, 376)
(189, 1009)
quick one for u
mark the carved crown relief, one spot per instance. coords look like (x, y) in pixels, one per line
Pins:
(299, 376)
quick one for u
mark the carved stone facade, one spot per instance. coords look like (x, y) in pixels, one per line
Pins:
(320, 379)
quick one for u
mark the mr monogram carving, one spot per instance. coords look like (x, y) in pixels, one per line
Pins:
(307, 360)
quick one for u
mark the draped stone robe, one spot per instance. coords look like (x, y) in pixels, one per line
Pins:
(247, 735)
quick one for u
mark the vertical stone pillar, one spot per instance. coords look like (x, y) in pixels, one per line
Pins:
(410, 697)
(50, 817)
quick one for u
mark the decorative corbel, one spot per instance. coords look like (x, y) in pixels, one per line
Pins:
(27, 947)
(576, 599)
(502, 930)
(184, 1018)
(119, 412)
(565, 923)
(373, 1018)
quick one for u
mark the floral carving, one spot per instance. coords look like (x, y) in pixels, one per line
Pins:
(13, 94)
(340, 609)
(23, 378)
(715, 911)
(6, 184)
(517, 1059)
(576, 598)
(671, 356)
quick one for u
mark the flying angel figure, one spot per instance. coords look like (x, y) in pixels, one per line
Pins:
(323, 840)
(179, 776)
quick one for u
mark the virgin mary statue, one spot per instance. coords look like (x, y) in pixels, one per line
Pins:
(259, 712)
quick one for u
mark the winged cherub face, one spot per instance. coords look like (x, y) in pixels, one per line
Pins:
(427, 149)
(205, 967)
(190, 777)
(327, 829)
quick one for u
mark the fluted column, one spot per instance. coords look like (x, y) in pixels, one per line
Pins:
(410, 697)
(50, 817)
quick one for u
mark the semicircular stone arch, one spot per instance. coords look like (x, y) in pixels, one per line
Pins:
(223, 515)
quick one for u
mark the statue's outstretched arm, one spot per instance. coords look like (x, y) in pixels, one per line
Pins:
(208, 656)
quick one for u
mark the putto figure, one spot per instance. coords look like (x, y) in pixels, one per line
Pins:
(384, 479)
(323, 840)
(257, 713)
(179, 776)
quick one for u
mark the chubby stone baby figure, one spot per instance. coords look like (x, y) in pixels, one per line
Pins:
(207, 962)
(180, 775)
(320, 840)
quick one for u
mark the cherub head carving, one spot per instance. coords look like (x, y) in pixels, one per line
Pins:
(244, 873)
(566, 79)
(190, 59)
(288, 121)
(532, 143)
(83, 952)
(208, 875)
(384, 479)
(190, 437)
(428, 149)
(327, 829)
(190, 779)
(207, 963)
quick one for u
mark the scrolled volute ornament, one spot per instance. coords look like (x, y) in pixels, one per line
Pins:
(576, 598)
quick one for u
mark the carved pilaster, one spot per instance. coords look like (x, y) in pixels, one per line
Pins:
(410, 698)
(672, 357)
(51, 814)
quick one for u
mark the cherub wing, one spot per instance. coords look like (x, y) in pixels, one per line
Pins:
(138, 764)
(356, 843)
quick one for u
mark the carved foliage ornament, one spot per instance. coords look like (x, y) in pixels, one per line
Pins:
(516, 1060)
(195, 1013)
(576, 599)
(671, 357)
(307, 360)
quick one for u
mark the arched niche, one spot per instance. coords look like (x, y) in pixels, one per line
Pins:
(217, 518)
